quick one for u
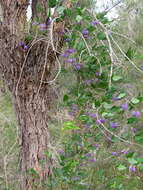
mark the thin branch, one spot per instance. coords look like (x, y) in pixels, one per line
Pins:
(115, 5)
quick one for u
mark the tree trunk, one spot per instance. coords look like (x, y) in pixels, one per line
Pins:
(28, 74)
(31, 111)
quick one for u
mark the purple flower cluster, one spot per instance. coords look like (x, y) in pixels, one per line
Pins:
(85, 33)
(90, 157)
(100, 121)
(92, 115)
(136, 113)
(132, 168)
(25, 47)
(120, 152)
(68, 52)
(124, 151)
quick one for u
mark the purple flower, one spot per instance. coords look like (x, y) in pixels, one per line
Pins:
(60, 151)
(98, 74)
(132, 168)
(25, 47)
(77, 66)
(95, 22)
(100, 121)
(71, 60)
(114, 153)
(70, 51)
(92, 160)
(114, 125)
(93, 115)
(21, 44)
(43, 26)
(85, 33)
(136, 113)
(65, 54)
(124, 151)
(124, 106)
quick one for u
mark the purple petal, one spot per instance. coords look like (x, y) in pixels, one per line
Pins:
(114, 125)
(100, 121)
(25, 47)
(136, 113)
(114, 153)
(77, 66)
(95, 22)
(85, 32)
(92, 160)
(71, 60)
(93, 115)
(71, 50)
(132, 168)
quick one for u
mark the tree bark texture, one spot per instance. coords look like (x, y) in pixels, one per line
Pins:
(27, 73)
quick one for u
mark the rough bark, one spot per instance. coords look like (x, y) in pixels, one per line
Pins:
(27, 73)
(33, 121)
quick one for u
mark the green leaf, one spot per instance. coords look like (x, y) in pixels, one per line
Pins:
(60, 10)
(130, 53)
(101, 36)
(139, 139)
(132, 120)
(121, 95)
(52, 3)
(107, 106)
(135, 100)
(139, 160)
(116, 78)
(78, 18)
(107, 114)
(84, 118)
(132, 161)
(65, 98)
(121, 167)
(70, 125)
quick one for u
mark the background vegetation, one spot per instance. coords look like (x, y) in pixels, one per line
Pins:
(96, 132)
